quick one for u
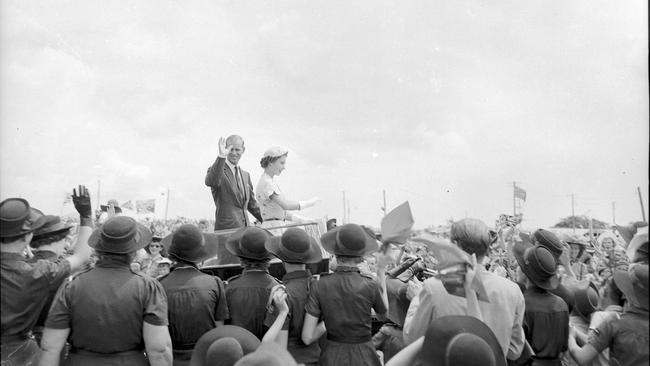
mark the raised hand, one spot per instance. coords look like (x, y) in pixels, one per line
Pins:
(223, 149)
(280, 301)
(81, 200)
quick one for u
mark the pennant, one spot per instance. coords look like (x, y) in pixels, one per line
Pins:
(520, 193)
(145, 206)
(397, 224)
(128, 205)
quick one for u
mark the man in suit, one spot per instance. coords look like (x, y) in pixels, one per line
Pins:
(232, 189)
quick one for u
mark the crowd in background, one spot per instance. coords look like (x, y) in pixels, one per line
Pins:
(112, 291)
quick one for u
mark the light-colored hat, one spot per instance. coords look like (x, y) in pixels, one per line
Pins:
(275, 151)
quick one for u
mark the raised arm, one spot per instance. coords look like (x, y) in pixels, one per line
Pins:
(275, 332)
(291, 205)
(215, 172)
(82, 251)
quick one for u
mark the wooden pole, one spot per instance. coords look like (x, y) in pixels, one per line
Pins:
(638, 189)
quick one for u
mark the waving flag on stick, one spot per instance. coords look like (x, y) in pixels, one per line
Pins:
(396, 225)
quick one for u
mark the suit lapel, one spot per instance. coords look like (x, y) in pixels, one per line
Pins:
(233, 183)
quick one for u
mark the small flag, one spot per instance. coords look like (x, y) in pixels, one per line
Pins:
(145, 206)
(128, 205)
(520, 193)
(67, 199)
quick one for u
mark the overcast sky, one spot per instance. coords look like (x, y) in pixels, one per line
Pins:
(441, 103)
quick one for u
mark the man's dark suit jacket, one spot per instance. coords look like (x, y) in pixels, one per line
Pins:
(230, 207)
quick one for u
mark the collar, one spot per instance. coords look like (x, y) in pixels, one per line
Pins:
(296, 274)
(616, 308)
(251, 271)
(347, 269)
(108, 262)
(231, 166)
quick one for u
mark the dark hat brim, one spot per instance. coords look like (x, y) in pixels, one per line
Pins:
(442, 330)
(36, 220)
(53, 229)
(233, 241)
(275, 246)
(331, 244)
(582, 303)
(141, 239)
(625, 284)
(209, 250)
(248, 341)
(519, 250)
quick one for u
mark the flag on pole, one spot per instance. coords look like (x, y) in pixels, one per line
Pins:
(145, 206)
(67, 199)
(128, 205)
(520, 193)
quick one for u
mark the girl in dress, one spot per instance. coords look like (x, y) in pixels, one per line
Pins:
(344, 300)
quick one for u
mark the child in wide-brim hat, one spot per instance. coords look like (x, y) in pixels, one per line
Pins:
(344, 300)
(296, 249)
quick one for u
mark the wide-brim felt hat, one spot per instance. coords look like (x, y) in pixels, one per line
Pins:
(247, 340)
(189, 244)
(550, 241)
(248, 243)
(349, 240)
(223, 352)
(634, 284)
(537, 262)
(639, 243)
(294, 246)
(268, 354)
(585, 298)
(18, 218)
(460, 340)
(52, 225)
(120, 235)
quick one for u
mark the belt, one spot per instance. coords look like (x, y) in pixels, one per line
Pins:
(83, 352)
(349, 339)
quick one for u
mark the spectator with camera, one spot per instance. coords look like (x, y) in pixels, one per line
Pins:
(503, 313)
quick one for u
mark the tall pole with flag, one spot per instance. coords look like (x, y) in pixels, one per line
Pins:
(517, 192)
(514, 198)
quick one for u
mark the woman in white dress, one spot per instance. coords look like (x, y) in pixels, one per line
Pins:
(274, 205)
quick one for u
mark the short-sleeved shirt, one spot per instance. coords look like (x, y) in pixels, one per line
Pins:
(298, 285)
(269, 209)
(25, 286)
(627, 338)
(196, 301)
(546, 323)
(344, 299)
(50, 256)
(104, 308)
(247, 296)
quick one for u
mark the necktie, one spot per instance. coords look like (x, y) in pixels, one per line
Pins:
(240, 186)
